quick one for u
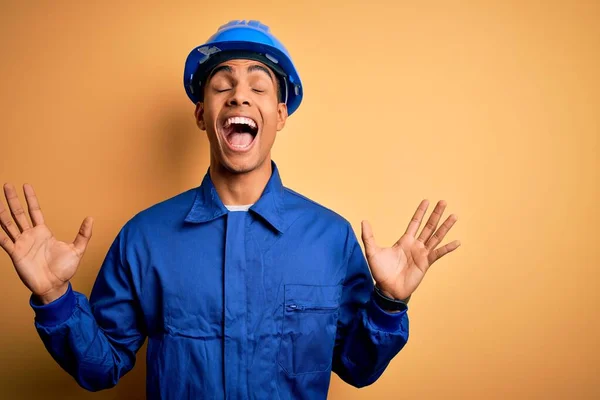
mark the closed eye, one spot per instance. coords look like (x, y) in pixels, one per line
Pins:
(222, 90)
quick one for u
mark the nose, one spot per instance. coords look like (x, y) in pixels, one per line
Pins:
(239, 97)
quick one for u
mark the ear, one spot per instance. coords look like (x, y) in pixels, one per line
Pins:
(282, 115)
(199, 114)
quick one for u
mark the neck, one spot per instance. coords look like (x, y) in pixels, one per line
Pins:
(236, 189)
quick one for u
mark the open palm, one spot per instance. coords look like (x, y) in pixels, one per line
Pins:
(398, 270)
(44, 264)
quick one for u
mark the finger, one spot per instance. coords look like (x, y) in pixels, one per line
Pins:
(7, 244)
(368, 238)
(35, 211)
(442, 251)
(438, 236)
(415, 222)
(7, 223)
(83, 236)
(16, 209)
(432, 222)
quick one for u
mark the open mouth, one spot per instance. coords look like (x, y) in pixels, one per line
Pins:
(240, 132)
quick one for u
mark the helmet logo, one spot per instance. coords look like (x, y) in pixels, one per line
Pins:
(207, 51)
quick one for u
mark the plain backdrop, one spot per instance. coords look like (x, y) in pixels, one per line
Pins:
(491, 105)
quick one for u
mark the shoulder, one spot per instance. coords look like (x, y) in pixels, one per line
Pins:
(319, 224)
(165, 213)
(300, 206)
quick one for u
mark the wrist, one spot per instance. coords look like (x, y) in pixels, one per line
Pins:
(390, 295)
(388, 303)
(52, 295)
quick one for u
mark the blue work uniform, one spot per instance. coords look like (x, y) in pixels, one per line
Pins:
(262, 304)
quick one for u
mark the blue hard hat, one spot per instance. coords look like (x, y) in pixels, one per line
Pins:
(243, 39)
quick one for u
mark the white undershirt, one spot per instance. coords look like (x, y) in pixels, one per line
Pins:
(239, 208)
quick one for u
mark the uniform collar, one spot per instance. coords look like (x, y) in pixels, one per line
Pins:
(208, 205)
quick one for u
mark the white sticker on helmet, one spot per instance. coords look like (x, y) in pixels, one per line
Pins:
(207, 51)
(273, 59)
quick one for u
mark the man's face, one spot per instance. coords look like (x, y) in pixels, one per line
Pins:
(241, 114)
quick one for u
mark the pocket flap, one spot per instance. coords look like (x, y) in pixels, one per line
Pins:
(313, 295)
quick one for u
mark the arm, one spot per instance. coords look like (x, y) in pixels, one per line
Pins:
(96, 341)
(368, 337)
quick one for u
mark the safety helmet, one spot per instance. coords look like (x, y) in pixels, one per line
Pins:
(246, 40)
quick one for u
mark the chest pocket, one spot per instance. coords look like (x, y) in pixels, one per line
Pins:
(309, 328)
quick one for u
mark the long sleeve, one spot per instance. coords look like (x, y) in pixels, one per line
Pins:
(367, 337)
(95, 341)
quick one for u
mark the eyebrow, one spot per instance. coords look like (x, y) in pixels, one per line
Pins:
(220, 68)
(257, 67)
(251, 68)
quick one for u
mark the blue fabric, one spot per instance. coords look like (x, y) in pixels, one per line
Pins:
(261, 304)
(57, 311)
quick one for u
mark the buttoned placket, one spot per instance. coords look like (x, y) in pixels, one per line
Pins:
(234, 306)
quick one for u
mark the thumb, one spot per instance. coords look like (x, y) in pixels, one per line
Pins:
(368, 238)
(83, 236)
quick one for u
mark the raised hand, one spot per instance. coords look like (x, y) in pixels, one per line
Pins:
(44, 264)
(398, 270)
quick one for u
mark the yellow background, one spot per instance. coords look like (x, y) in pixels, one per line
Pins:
(492, 106)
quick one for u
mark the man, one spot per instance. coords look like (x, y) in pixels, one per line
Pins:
(244, 288)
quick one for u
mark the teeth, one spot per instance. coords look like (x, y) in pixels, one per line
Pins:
(240, 120)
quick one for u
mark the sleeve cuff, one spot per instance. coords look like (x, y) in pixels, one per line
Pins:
(383, 320)
(57, 312)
